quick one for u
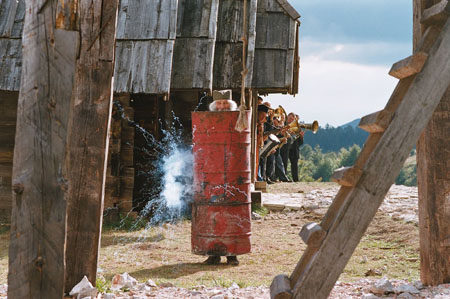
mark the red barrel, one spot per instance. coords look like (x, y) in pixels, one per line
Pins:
(221, 209)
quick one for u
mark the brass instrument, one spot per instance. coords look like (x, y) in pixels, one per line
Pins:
(278, 112)
(295, 126)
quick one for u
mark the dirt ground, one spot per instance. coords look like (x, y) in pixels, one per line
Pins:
(389, 248)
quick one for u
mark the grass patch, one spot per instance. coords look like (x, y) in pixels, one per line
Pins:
(262, 211)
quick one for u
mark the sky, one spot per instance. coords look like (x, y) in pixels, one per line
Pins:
(346, 50)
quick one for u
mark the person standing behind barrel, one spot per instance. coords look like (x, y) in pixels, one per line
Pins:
(222, 101)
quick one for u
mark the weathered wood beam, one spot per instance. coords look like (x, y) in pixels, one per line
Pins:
(312, 234)
(433, 169)
(436, 14)
(376, 122)
(37, 240)
(429, 36)
(409, 66)
(325, 224)
(346, 176)
(88, 139)
(379, 173)
(281, 287)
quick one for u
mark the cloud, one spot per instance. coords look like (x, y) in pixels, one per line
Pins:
(337, 92)
(372, 52)
(356, 20)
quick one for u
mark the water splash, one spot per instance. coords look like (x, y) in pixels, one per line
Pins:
(167, 176)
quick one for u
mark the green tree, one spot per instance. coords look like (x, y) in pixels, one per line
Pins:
(350, 156)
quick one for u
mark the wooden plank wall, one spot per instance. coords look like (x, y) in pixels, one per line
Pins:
(194, 47)
(8, 104)
(228, 50)
(11, 24)
(275, 48)
(146, 31)
(120, 172)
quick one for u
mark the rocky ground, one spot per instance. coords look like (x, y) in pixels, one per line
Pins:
(364, 288)
(400, 204)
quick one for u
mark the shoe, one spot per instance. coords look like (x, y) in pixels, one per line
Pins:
(212, 260)
(286, 181)
(269, 182)
(232, 260)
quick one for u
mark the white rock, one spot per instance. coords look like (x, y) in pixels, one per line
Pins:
(166, 285)
(122, 280)
(109, 296)
(256, 216)
(220, 296)
(406, 288)
(418, 284)
(406, 296)
(141, 287)
(233, 286)
(83, 289)
(369, 296)
(195, 293)
(151, 283)
(382, 286)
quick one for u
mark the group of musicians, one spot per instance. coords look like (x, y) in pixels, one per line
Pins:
(279, 139)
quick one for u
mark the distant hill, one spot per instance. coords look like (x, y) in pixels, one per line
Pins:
(353, 123)
(332, 139)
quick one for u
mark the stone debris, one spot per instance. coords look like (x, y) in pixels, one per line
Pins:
(151, 283)
(418, 284)
(406, 296)
(84, 289)
(353, 290)
(382, 286)
(400, 203)
(124, 280)
(406, 288)
(256, 216)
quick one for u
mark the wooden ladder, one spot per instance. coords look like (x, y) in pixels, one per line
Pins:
(424, 77)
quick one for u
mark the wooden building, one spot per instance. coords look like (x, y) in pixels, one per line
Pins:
(276, 66)
(168, 54)
(11, 24)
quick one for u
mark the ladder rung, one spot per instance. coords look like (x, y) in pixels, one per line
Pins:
(409, 66)
(281, 287)
(436, 14)
(312, 234)
(346, 176)
(376, 122)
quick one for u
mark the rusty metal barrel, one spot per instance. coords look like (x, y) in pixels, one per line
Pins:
(221, 211)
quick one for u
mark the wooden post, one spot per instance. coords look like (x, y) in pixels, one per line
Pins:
(253, 151)
(433, 176)
(37, 241)
(88, 138)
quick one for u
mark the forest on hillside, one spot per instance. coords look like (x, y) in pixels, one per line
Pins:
(331, 148)
(332, 139)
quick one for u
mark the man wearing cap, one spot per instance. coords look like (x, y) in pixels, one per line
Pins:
(222, 101)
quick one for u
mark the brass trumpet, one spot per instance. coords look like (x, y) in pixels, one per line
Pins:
(278, 112)
(295, 126)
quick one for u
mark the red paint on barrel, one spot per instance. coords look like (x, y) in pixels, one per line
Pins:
(221, 223)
